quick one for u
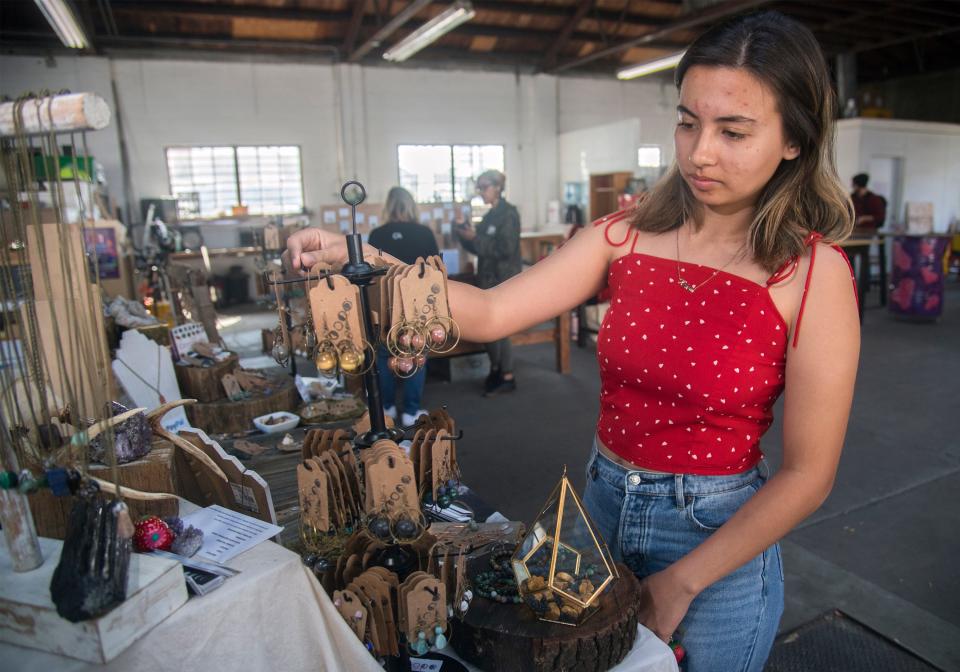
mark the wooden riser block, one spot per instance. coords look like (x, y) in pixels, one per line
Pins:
(156, 472)
(235, 417)
(28, 617)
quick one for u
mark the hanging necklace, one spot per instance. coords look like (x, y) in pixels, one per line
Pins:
(155, 388)
(689, 286)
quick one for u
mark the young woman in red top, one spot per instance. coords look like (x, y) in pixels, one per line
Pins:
(711, 278)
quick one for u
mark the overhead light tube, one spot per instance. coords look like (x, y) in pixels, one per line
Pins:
(650, 67)
(457, 13)
(64, 23)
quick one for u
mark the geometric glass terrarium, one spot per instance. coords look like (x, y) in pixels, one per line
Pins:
(562, 566)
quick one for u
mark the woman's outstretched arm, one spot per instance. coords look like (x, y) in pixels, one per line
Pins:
(562, 281)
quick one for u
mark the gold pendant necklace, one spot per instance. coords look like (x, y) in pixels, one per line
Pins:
(689, 286)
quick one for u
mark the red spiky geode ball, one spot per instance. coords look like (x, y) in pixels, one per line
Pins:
(152, 534)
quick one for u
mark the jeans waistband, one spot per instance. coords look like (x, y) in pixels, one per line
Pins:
(661, 484)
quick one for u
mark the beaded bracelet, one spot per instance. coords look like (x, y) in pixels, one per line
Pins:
(497, 586)
(61, 481)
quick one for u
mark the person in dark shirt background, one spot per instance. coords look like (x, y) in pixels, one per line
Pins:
(496, 242)
(870, 208)
(406, 239)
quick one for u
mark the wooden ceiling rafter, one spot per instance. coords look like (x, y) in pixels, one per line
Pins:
(353, 28)
(693, 20)
(388, 29)
(556, 36)
(563, 11)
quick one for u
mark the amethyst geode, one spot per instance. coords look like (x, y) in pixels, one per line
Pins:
(131, 438)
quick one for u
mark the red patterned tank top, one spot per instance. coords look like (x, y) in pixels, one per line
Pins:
(689, 379)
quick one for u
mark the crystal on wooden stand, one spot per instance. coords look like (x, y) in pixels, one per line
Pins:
(562, 566)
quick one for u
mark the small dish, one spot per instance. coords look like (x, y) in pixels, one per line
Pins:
(278, 421)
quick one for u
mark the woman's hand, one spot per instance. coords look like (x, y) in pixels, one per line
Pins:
(308, 246)
(663, 604)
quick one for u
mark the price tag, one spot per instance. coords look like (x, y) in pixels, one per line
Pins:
(421, 665)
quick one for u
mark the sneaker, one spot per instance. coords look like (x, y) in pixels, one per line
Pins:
(409, 419)
(503, 386)
(492, 380)
(390, 412)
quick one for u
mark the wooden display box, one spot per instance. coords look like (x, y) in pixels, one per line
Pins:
(28, 617)
(236, 417)
(156, 472)
(203, 383)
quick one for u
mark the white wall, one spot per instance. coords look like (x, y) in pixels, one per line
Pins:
(597, 103)
(931, 160)
(359, 113)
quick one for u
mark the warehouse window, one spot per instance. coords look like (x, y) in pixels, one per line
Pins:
(648, 156)
(270, 180)
(211, 180)
(444, 173)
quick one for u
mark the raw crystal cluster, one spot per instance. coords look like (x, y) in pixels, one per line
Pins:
(131, 438)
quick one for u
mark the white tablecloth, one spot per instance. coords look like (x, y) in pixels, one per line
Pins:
(272, 616)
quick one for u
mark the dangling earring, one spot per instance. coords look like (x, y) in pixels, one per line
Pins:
(309, 334)
(420, 646)
(281, 349)
(281, 339)
(440, 641)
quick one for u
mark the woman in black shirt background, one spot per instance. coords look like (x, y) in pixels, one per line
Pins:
(406, 239)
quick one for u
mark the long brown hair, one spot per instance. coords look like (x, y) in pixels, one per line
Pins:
(804, 195)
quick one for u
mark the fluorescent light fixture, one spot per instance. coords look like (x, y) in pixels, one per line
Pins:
(457, 13)
(650, 67)
(61, 17)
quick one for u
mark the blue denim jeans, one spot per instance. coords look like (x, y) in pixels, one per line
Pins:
(412, 386)
(650, 521)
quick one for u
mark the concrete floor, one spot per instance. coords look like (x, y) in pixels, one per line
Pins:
(884, 546)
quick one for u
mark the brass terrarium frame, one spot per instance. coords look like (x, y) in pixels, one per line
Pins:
(559, 497)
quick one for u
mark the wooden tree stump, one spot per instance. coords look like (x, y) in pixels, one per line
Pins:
(203, 383)
(509, 637)
(235, 417)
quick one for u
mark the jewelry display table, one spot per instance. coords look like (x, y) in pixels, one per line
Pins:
(272, 616)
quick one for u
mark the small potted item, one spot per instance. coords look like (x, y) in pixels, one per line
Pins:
(563, 565)
(278, 421)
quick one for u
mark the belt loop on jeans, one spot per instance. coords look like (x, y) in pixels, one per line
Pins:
(678, 490)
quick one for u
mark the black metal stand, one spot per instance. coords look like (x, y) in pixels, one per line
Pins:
(362, 274)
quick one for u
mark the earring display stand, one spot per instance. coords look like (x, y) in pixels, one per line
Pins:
(362, 274)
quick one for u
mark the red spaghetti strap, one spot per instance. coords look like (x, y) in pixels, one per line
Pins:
(636, 237)
(608, 221)
(788, 268)
(853, 276)
(812, 240)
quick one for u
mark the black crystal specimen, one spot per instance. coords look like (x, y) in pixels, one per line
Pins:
(92, 575)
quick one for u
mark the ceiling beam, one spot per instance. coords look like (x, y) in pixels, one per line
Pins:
(377, 38)
(868, 46)
(353, 28)
(228, 44)
(560, 12)
(550, 60)
(712, 14)
(230, 10)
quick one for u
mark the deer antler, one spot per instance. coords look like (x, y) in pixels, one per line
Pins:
(156, 415)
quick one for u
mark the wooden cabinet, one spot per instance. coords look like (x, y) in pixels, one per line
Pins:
(604, 190)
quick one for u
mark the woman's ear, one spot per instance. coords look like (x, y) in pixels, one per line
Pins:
(791, 151)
